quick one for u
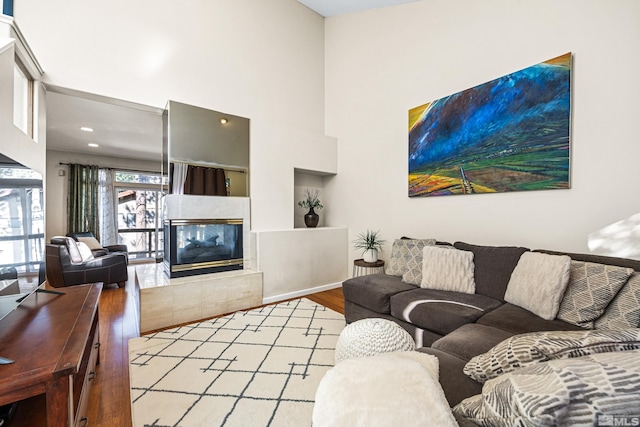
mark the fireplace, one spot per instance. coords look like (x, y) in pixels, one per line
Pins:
(202, 246)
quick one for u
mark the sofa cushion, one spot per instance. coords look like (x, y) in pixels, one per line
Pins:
(624, 310)
(591, 288)
(374, 290)
(471, 340)
(406, 257)
(440, 311)
(527, 349)
(456, 385)
(512, 318)
(447, 270)
(493, 266)
(538, 283)
(423, 338)
(560, 392)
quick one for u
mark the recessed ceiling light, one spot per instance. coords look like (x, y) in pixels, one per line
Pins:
(224, 121)
(86, 129)
(93, 144)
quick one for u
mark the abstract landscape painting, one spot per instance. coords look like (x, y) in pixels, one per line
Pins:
(509, 134)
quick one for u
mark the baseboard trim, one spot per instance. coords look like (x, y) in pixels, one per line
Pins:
(300, 293)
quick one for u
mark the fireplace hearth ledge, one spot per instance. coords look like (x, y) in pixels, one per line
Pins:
(165, 302)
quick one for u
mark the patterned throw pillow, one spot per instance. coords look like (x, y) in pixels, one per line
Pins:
(538, 282)
(624, 310)
(406, 257)
(591, 288)
(559, 392)
(528, 349)
(447, 270)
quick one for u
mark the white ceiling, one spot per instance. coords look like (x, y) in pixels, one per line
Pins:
(134, 131)
(120, 129)
(338, 7)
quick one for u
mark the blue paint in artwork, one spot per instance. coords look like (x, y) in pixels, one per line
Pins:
(530, 106)
(7, 7)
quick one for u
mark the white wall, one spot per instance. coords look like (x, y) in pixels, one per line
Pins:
(263, 60)
(13, 142)
(57, 186)
(383, 62)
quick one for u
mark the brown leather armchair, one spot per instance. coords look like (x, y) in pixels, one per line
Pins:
(65, 266)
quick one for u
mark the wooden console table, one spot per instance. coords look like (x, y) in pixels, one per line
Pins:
(53, 340)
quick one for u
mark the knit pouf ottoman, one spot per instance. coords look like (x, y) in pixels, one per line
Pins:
(371, 337)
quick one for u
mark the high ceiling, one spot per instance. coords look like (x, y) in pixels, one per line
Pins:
(134, 131)
(328, 8)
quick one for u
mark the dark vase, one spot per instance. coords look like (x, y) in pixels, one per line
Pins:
(311, 218)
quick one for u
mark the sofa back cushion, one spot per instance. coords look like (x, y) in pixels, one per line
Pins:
(493, 267)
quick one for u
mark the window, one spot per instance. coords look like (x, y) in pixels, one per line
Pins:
(21, 219)
(22, 99)
(139, 199)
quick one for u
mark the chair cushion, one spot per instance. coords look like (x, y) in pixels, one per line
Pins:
(493, 266)
(374, 291)
(512, 318)
(440, 311)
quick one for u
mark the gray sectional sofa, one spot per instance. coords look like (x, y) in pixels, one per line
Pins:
(456, 326)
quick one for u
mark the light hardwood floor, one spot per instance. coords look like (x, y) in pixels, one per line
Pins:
(109, 404)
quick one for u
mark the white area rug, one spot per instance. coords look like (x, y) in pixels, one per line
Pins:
(255, 368)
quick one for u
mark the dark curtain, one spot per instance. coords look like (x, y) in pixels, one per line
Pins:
(203, 181)
(82, 200)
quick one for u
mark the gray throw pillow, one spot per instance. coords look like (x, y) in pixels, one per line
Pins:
(406, 259)
(591, 288)
(624, 310)
(535, 347)
(563, 392)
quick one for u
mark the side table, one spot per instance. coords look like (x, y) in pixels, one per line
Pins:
(361, 268)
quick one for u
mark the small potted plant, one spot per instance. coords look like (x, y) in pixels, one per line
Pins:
(311, 202)
(370, 244)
